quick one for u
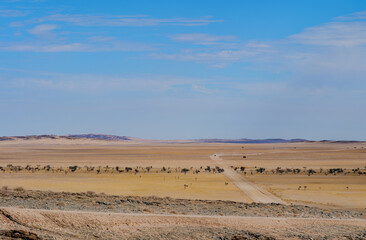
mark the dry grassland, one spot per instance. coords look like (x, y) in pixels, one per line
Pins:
(206, 186)
(298, 155)
(323, 190)
(95, 153)
(328, 190)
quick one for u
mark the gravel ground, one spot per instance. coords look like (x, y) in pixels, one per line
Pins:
(126, 204)
(20, 223)
(40, 215)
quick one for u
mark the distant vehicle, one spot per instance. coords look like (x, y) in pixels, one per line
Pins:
(244, 156)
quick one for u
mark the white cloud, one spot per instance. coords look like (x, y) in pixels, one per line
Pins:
(68, 42)
(98, 83)
(101, 38)
(336, 44)
(333, 64)
(16, 24)
(141, 83)
(200, 38)
(12, 13)
(73, 47)
(258, 45)
(353, 16)
(118, 46)
(212, 58)
(219, 58)
(120, 21)
(42, 29)
(263, 88)
(338, 34)
(25, 1)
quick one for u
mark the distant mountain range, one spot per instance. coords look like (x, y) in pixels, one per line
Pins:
(74, 136)
(245, 140)
(125, 138)
(100, 137)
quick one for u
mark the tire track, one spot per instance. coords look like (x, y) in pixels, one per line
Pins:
(255, 193)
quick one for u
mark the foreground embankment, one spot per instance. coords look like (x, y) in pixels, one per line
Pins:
(50, 215)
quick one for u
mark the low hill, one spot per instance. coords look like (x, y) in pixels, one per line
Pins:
(105, 137)
(71, 137)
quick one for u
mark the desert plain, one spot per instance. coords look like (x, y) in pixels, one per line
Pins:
(294, 190)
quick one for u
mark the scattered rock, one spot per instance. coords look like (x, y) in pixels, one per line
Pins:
(19, 234)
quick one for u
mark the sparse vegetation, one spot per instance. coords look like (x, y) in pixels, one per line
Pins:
(19, 189)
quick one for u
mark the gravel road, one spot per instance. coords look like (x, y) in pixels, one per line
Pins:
(255, 193)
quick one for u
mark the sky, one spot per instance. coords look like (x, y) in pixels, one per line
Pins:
(184, 69)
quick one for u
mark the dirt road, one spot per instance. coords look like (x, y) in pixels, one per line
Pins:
(255, 193)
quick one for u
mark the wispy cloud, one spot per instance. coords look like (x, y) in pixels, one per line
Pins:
(94, 83)
(212, 58)
(123, 21)
(101, 38)
(117, 46)
(12, 13)
(218, 57)
(263, 88)
(353, 16)
(339, 34)
(16, 24)
(28, 47)
(258, 45)
(102, 83)
(323, 45)
(42, 29)
(200, 38)
(25, 1)
(80, 40)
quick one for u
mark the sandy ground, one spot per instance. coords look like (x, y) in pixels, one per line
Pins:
(207, 186)
(96, 152)
(81, 152)
(255, 193)
(112, 153)
(334, 191)
(299, 155)
(134, 204)
(23, 214)
(76, 225)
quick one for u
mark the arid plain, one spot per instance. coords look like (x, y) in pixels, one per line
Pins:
(324, 175)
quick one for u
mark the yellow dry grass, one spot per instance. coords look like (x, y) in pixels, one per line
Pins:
(207, 186)
(156, 155)
(320, 189)
(90, 152)
(298, 155)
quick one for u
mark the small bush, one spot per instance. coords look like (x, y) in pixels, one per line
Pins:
(146, 210)
(19, 189)
(5, 188)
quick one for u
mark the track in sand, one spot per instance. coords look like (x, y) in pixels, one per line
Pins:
(255, 193)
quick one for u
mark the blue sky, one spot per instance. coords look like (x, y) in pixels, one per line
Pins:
(184, 69)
